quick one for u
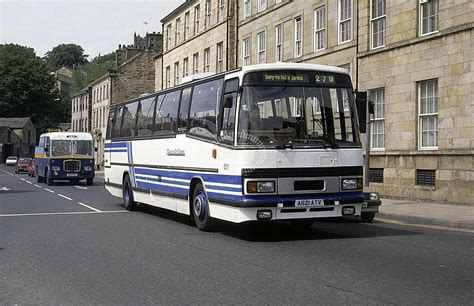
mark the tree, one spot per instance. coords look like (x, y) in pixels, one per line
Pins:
(69, 55)
(92, 70)
(27, 87)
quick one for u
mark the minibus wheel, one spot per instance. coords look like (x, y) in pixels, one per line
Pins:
(89, 181)
(367, 217)
(49, 180)
(127, 194)
(200, 209)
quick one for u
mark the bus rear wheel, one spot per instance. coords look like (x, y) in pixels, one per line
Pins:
(127, 193)
(200, 209)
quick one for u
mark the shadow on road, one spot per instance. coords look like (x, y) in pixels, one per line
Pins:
(280, 231)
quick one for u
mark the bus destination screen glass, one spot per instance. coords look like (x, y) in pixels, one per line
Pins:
(305, 109)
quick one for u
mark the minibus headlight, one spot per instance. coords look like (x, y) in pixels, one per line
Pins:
(374, 196)
(352, 184)
(55, 168)
(260, 187)
(88, 168)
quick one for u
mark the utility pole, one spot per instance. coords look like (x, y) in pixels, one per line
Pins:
(367, 145)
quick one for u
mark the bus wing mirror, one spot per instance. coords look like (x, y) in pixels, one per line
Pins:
(361, 104)
(46, 149)
(95, 149)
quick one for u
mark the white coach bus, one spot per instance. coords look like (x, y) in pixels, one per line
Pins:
(265, 142)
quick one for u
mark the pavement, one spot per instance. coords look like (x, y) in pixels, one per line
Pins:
(431, 214)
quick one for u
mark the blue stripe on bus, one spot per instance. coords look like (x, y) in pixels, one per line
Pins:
(110, 151)
(115, 145)
(214, 178)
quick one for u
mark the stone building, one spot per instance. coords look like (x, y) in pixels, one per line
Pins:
(199, 37)
(19, 136)
(9, 143)
(101, 96)
(414, 57)
(80, 111)
(63, 79)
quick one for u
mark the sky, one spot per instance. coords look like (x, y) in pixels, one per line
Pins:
(98, 26)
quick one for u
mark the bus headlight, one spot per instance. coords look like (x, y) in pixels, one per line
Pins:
(87, 168)
(374, 196)
(55, 168)
(351, 184)
(261, 187)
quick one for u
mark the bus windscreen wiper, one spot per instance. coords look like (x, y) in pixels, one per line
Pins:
(330, 140)
(285, 143)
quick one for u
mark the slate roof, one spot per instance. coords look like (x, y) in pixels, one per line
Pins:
(14, 123)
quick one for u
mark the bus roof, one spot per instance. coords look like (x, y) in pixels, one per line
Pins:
(293, 66)
(68, 136)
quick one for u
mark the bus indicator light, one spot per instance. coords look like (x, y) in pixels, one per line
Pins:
(214, 153)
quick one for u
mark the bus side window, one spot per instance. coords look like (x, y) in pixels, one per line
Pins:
(145, 114)
(183, 120)
(167, 113)
(117, 123)
(129, 120)
(204, 103)
(110, 124)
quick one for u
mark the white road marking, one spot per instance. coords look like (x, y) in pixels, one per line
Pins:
(49, 190)
(65, 213)
(90, 207)
(22, 179)
(4, 189)
(63, 196)
(37, 185)
(29, 182)
(80, 187)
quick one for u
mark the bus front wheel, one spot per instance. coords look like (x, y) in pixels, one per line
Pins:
(89, 181)
(49, 180)
(127, 193)
(200, 209)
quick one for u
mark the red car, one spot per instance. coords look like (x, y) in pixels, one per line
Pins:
(22, 165)
(31, 168)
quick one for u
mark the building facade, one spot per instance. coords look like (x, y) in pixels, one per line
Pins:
(19, 136)
(80, 111)
(200, 36)
(100, 95)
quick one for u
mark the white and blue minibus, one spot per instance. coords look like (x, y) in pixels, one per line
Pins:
(264, 142)
(64, 156)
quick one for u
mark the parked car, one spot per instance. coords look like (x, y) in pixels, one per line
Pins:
(22, 165)
(371, 205)
(11, 160)
(31, 168)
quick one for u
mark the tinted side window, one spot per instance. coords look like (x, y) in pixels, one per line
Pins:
(203, 108)
(110, 123)
(167, 113)
(117, 122)
(129, 119)
(184, 110)
(146, 109)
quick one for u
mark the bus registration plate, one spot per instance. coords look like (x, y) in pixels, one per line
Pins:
(71, 174)
(299, 203)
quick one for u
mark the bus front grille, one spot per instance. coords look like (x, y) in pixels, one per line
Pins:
(72, 165)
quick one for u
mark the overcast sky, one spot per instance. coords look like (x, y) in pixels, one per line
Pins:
(98, 26)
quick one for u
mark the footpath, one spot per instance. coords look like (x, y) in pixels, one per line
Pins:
(433, 214)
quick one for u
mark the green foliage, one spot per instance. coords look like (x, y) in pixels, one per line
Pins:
(27, 87)
(69, 55)
(99, 66)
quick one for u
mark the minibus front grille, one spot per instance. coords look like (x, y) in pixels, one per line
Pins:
(72, 165)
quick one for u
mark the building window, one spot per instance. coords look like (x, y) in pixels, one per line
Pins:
(221, 10)
(207, 21)
(377, 23)
(345, 20)
(220, 57)
(197, 16)
(186, 25)
(376, 175)
(278, 40)
(425, 177)
(207, 59)
(377, 139)
(428, 114)
(246, 52)
(176, 73)
(168, 77)
(196, 63)
(185, 67)
(319, 28)
(247, 9)
(168, 37)
(261, 48)
(177, 33)
(262, 5)
(428, 16)
(277, 1)
(298, 49)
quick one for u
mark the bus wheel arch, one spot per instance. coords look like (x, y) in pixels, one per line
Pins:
(127, 193)
(199, 205)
